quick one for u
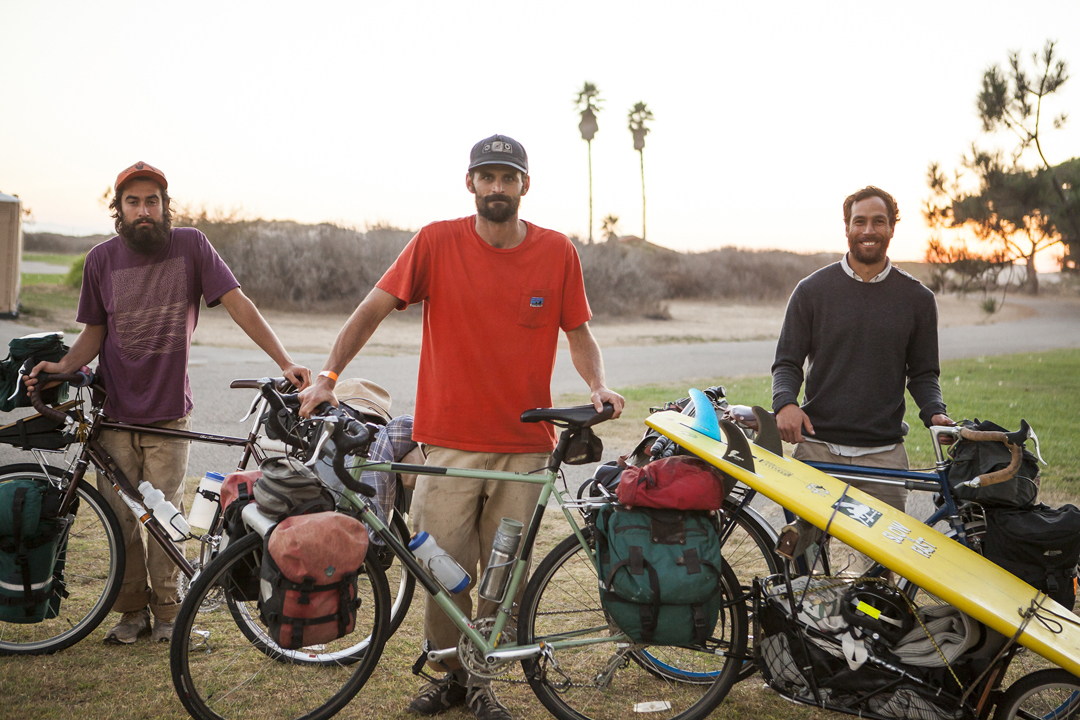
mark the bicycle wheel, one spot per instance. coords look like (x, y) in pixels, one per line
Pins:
(401, 587)
(220, 672)
(1051, 694)
(605, 680)
(93, 572)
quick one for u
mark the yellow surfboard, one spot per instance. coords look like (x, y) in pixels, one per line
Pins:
(941, 566)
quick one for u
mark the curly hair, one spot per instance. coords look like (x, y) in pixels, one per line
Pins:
(118, 217)
(868, 192)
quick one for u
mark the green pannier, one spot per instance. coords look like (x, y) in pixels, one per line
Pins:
(660, 573)
(31, 577)
(35, 348)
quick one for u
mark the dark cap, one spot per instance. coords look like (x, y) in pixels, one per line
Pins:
(499, 150)
(138, 170)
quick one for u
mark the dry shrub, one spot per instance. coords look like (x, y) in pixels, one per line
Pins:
(745, 275)
(620, 282)
(286, 265)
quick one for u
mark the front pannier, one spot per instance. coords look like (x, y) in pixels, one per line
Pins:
(308, 578)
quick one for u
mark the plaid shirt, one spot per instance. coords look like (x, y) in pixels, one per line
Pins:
(392, 443)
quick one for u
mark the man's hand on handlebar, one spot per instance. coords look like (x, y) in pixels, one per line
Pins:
(316, 394)
(791, 421)
(298, 375)
(48, 367)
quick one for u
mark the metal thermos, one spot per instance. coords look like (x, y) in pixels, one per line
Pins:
(501, 562)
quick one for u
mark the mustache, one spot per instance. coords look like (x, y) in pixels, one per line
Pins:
(497, 198)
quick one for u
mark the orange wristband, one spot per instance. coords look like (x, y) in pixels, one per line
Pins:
(329, 374)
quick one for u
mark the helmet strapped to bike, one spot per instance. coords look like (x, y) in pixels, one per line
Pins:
(878, 609)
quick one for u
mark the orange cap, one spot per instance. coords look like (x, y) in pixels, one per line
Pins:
(138, 170)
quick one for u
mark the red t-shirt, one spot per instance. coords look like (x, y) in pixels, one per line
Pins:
(491, 326)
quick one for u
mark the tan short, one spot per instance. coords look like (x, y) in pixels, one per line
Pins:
(162, 461)
(462, 514)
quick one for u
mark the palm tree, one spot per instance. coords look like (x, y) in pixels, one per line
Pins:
(607, 226)
(639, 115)
(588, 101)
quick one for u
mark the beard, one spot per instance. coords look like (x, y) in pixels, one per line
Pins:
(868, 255)
(145, 236)
(497, 214)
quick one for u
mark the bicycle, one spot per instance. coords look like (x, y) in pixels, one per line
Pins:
(576, 663)
(94, 555)
(1049, 692)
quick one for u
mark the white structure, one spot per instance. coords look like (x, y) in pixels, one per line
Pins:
(10, 253)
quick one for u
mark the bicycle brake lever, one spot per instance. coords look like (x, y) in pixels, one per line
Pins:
(1035, 439)
(329, 425)
(254, 403)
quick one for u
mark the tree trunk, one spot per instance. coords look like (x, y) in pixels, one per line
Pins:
(1031, 281)
(590, 192)
(642, 154)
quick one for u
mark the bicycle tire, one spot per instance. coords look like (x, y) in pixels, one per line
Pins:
(748, 543)
(562, 598)
(219, 673)
(93, 569)
(401, 589)
(1051, 693)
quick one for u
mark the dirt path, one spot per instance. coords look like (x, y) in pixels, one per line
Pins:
(691, 323)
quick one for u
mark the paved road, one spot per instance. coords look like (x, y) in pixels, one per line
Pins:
(217, 408)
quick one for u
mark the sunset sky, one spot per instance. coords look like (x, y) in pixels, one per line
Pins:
(767, 114)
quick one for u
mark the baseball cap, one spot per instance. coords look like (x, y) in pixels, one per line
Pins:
(499, 150)
(138, 170)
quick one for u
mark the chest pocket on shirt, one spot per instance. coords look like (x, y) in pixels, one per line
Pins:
(536, 308)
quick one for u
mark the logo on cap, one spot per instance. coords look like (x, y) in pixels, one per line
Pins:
(498, 146)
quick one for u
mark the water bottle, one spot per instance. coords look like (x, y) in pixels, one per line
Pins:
(207, 499)
(445, 568)
(501, 561)
(176, 527)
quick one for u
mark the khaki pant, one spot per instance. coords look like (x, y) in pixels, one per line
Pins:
(841, 557)
(163, 462)
(462, 514)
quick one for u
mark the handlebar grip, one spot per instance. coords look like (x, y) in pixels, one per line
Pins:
(44, 378)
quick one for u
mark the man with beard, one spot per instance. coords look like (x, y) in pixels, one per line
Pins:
(496, 290)
(868, 329)
(140, 302)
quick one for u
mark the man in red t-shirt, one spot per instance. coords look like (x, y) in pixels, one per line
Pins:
(496, 291)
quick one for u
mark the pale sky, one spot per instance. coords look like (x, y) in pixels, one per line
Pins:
(767, 114)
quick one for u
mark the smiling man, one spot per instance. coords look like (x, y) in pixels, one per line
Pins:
(496, 292)
(868, 329)
(140, 299)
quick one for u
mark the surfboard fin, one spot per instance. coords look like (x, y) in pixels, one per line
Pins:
(706, 423)
(768, 435)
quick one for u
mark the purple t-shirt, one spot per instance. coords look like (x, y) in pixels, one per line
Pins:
(150, 306)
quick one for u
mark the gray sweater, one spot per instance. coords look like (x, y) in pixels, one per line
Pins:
(864, 342)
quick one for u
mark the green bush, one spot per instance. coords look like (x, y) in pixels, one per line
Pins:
(73, 279)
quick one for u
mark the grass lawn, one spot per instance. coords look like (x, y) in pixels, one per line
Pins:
(93, 680)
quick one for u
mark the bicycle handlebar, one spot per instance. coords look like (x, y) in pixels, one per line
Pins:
(43, 378)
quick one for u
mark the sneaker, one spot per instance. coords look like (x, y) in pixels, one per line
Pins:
(485, 706)
(162, 631)
(132, 626)
(438, 697)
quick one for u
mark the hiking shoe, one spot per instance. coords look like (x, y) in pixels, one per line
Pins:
(485, 706)
(438, 697)
(162, 631)
(131, 627)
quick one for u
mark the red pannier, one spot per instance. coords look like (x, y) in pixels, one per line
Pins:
(679, 482)
(309, 570)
